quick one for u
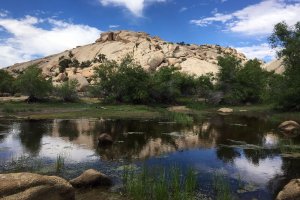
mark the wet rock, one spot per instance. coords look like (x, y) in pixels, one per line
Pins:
(291, 191)
(225, 110)
(91, 178)
(289, 127)
(105, 139)
(29, 186)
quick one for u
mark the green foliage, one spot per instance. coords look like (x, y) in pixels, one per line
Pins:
(222, 188)
(63, 64)
(165, 84)
(287, 40)
(85, 64)
(6, 82)
(33, 84)
(125, 82)
(67, 91)
(159, 184)
(204, 85)
(241, 84)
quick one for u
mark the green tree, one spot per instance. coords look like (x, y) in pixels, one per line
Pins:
(287, 40)
(251, 82)
(125, 82)
(6, 82)
(229, 67)
(33, 84)
(67, 91)
(165, 85)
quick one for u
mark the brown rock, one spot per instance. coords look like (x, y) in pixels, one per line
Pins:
(289, 126)
(105, 139)
(291, 191)
(91, 178)
(29, 186)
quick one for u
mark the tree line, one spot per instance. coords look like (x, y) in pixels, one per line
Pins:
(127, 82)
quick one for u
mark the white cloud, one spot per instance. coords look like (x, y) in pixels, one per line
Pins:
(3, 13)
(113, 26)
(257, 19)
(183, 9)
(261, 51)
(28, 40)
(136, 7)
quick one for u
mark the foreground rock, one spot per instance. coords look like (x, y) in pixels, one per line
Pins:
(225, 110)
(29, 186)
(91, 178)
(105, 139)
(289, 127)
(291, 191)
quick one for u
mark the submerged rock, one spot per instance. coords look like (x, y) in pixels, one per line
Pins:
(105, 139)
(290, 127)
(91, 178)
(291, 191)
(29, 186)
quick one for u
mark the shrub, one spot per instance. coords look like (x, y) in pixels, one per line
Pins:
(67, 91)
(33, 84)
(63, 64)
(6, 82)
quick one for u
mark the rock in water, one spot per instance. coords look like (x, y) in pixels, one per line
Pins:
(225, 110)
(29, 186)
(91, 178)
(289, 127)
(105, 139)
(291, 191)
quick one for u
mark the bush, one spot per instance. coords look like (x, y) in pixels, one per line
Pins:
(63, 64)
(67, 91)
(33, 84)
(241, 84)
(6, 82)
(126, 82)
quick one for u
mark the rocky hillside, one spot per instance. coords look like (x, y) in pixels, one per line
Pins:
(150, 52)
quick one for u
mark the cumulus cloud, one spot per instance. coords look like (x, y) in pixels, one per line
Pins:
(28, 40)
(261, 51)
(257, 19)
(136, 7)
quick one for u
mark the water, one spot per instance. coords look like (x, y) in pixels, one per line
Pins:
(244, 149)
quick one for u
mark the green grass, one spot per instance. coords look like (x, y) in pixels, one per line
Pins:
(160, 184)
(177, 117)
(222, 187)
(59, 164)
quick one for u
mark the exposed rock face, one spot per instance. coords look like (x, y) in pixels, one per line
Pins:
(150, 52)
(289, 127)
(28, 186)
(291, 191)
(276, 65)
(91, 178)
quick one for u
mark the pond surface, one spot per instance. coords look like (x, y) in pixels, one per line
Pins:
(244, 149)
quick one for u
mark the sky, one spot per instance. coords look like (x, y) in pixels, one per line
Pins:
(31, 29)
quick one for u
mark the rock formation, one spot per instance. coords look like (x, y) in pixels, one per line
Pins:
(150, 52)
(28, 186)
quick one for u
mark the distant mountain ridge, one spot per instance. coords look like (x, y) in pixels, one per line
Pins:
(150, 52)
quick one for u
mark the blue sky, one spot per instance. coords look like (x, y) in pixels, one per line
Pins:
(35, 28)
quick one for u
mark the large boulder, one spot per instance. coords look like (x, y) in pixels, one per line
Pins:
(82, 81)
(105, 139)
(29, 186)
(91, 178)
(291, 191)
(289, 127)
(156, 59)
